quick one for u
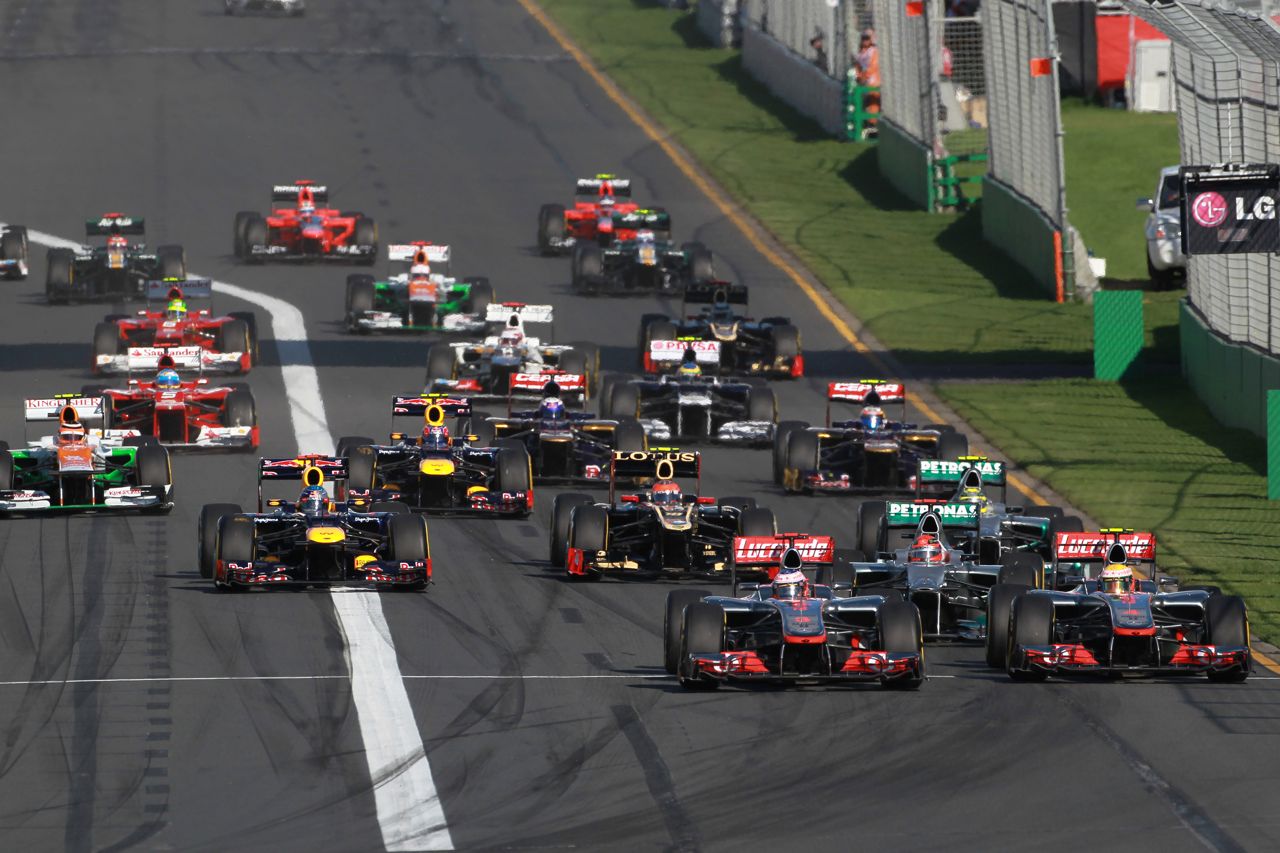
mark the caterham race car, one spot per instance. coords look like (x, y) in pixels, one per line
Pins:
(118, 270)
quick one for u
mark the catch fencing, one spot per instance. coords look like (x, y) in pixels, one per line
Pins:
(719, 22)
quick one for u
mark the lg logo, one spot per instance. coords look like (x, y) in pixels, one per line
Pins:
(1263, 208)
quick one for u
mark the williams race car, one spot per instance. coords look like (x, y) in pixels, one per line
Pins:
(590, 220)
(119, 270)
(305, 232)
(644, 261)
(424, 298)
(312, 541)
(13, 252)
(690, 408)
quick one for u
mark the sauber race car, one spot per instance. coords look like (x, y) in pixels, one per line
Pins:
(433, 471)
(82, 467)
(312, 540)
(305, 232)
(423, 298)
(1118, 624)
(118, 270)
(657, 530)
(645, 260)
(294, 8)
(791, 631)
(721, 340)
(590, 220)
(13, 252)
(195, 340)
(869, 453)
(691, 408)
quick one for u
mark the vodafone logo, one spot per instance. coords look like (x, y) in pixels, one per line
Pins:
(1209, 209)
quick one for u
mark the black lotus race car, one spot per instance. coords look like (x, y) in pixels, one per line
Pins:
(642, 260)
(314, 542)
(118, 270)
(695, 408)
(659, 530)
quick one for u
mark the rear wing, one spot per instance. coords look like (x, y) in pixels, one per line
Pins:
(416, 407)
(569, 383)
(405, 252)
(502, 312)
(715, 293)
(49, 409)
(114, 223)
(944, 476)
(767, 550)
(617, 187)
(867, 392)
(908, 514)
(658, 220)
(141, 359)
(666, 463)
(294, 467)
(669, 352)
(290, 192)
(1093, 547)
(179, 288)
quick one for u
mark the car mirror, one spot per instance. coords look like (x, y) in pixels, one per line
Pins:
(1145, 204)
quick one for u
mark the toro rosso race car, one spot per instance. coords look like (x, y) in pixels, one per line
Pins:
(1118, 623)
(640, 259)
(658, 530)
(13, 252)
(424, 298)
(313, 540)
(82, 469)
(791, 631)
(721, 340)
(305, 232)
(433, 471)
(869, 453)
(590, 220)
(690, 408)
(118, 270)
(190, 340)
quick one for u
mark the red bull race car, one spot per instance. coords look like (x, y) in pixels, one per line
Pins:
(306, 231)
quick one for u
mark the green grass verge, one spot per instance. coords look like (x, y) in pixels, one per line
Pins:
(1146, 455)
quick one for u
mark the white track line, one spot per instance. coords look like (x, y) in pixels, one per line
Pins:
(202, 678)
(410, 813)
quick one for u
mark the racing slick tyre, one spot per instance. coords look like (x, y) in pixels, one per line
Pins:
(251, 321)
(480, 297)
(561, 509)
(588, 268)
(659, 330)
(780, 435)
(237, 239)
(440, 363)
(255, 236)
(59, 283)
(940, 427)
(108, 404)
(1053, 513)
(604, 390)
(550, 227)
(646, 320)
(393, 507)
(106, 341)
(1020, 567)
(485, 433)
(1205, 587)
(1032, 626)
(629, 435)
(233, 336)
(360, 293)
(1228, 622)
(901, 634)
(624, 402)
(366, 234)
(870, 522)
(171, 262)
(762, 405)
(838, 572)
(239, 410)
(673, 624)
(700, 266)
(13, 247)
(514, 469)
(407, 538)
(786, 341)
(589, 531)
(575, 362)
(6, 470)
(701, 634)
(591, 353)
(757, 521)
(237, 541)
(999, 606)
(362, 468)
(742, 503)
(348, 443)
(154, 468)
(953, 445)
(207, 531)
(802, 455)
(1067, 524)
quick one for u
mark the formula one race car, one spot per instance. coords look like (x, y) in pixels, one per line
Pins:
(645, 261)
(659, 530)
(293, 8)
(82, 467)
(191, 340)
(722, 341)
(489, 367)
(1118, 624)
(432, 471)
(424, 298)
(791, 631)
(870, 453)
(119, 270)
(313, 541)
(13, 252)
(590, 220)
(305, 232)
(695, 408)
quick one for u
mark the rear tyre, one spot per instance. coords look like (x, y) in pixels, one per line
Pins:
(575, 362)
(588, 268)
(762, 405)
(440, 363)
(786, 341)
(362, 467)
(59, 282)
(366, 234)
(673, 624)
(1069, 524)
(802, 455)
(838, 572)
(591, 354)
(870, 522)
(901, 634)
(13, 247)
(393, 507)
(629, 435)
(780, 436)
(106, 342)
(702, 634)
(171, 262)
(1020, 567)
(757, 521)
(550, 227)
(6, 469)
(701, 267)
(999, 608)
(360, 297)
(1032, 626)
(480, 298)
(743, 503)
(561, 509)
(953, 445)
(207, 532)
(1228, 626)
(348, 443)
(589, 532)
(625, 402)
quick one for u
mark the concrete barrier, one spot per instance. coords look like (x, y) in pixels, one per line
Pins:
(1231, 379)
(905, 163)
(1015, 227)
(718, 21)
(794, 79)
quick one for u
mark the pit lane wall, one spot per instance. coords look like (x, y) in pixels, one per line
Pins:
(718, 21)
(905, 163)
(794, 79)
(1231, 379)
(1020, 230)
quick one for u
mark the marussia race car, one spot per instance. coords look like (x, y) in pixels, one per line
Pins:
(1117, 624)
(644, 261)
(433, 472)
(191, 340)
(869, 453)
(83, 469)
(590, 219)
(312, 541)
(791, 631)
(422, 299)
(13, 252)
(118, 270)
(305, 232)
(722, 341)
(694, 408)
(489, 367)
(659, 530)
(295, 8)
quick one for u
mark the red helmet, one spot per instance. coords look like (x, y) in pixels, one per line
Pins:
(435, 437)
(926, 549)
(115, 241)
(667, 493)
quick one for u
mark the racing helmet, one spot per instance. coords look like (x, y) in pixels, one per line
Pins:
(71, 433)
(790, 584)
(435, 437)
(306, 204)
(511, 337)
(552, 409)
(689, 368)
(972, 495)
(420, 272)
(116, 241)
(1116, 579)
(177, 310)
(926, 549)
(667, 493)
(872, 418)
(313, 500)
(168, 378)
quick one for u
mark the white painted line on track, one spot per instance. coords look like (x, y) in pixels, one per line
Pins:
(263, 678)
(410, 814)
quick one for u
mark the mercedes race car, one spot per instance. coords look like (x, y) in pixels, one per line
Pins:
(119, 270)
(191, 341)
(869, 453)
(695, 408)
(658, 530)
(721, 340)
(590, 220)
(13, 252)
(645, 261)
(791, 631)
(313, 540)
(82, 467)
(305, 232)
(293, 8)
(432, 471)
(423, 298)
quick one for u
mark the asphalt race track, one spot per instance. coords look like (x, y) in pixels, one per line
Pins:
(230, 721)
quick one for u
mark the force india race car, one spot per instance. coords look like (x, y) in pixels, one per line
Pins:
(13, 252)
(305, 232)
(870, 452)
(118, 270)
(312, 541)
(590, 220)
(644, 261)
(82, 469)
(695, 408)
(722, 341)
(658, 530)
(1118, 624)
(424, 298)
(432, 471)
(191, 340)
(791, 631)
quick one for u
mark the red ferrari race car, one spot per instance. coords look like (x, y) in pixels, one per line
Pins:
(182, 414)
(591, 219)
(305, 232)
(192, 340)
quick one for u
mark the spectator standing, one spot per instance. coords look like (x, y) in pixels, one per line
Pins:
(866, 63)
